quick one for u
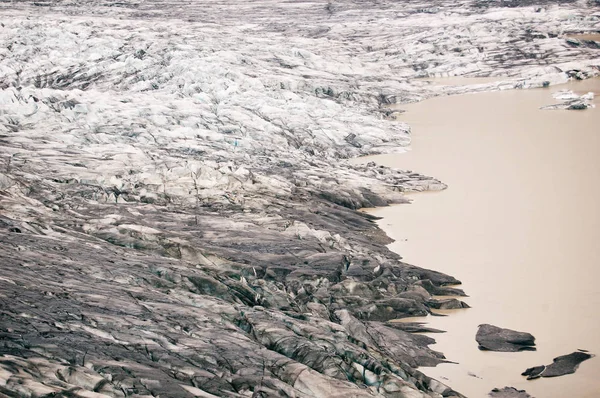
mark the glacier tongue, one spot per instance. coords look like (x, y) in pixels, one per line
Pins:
(178, 211)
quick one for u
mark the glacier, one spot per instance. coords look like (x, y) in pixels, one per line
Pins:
(178, 208)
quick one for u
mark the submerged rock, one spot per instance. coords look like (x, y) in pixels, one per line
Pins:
(494, 338)
(508, 392)
(565, 364)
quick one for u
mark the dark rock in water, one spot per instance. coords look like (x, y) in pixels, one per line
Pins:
(494, 338)
(578, 105)
(535, 372)
(572, 105)
(508, 392)
(563, 365)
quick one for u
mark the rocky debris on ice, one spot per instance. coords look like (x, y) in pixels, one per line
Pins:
(563, 365)
(493, 338)
(508, 392)
(178, 212)
(572, 101)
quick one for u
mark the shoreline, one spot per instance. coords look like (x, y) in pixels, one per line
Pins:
(403, 224)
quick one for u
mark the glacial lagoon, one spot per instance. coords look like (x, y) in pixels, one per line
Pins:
(519, 225)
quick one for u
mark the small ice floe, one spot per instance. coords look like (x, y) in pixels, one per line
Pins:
(571, 101)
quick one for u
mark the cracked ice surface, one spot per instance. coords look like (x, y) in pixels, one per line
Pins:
(177, 211)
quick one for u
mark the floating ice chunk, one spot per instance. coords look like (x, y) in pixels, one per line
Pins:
(589, 96)
(565, 95)
(571, 101)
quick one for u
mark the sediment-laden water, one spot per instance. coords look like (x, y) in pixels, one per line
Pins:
(519, 225)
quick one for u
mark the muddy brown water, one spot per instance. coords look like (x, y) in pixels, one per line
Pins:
(519, 224)
(462, 81)
(586, 36)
